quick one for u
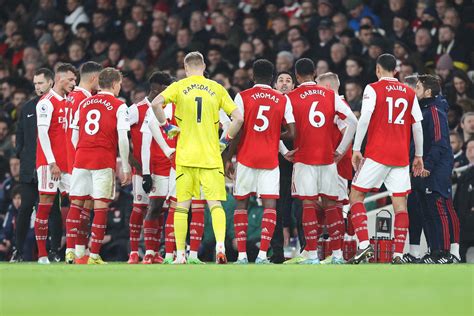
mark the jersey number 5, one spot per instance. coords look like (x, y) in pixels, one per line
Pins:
(92, 123)
(399, 119)
(263, 118)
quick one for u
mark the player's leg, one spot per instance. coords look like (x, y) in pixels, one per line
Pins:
(370, 176)
(103, 191)
(47, 192)
(245, 185)
(196, 229)
(83, 232)
(150, 228)
(170, 242)
(139, 209)
(73, 224)
(212, 182)
(454, 229)
(398, 184)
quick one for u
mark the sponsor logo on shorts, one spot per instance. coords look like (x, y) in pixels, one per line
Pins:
(139, 197)
(51, 185)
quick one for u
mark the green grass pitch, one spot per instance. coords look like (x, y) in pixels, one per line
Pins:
(120, 289)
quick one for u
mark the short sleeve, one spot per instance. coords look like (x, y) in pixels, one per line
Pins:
(44, 112)
(170, 94)
(342, 109)
(133, 114)
(239, 102)
(289, 118)
(223, 117)
(226, 102)
(369, 99)
(123, 122)
(416, 111)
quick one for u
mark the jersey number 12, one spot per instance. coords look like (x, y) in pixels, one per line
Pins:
(399, 119)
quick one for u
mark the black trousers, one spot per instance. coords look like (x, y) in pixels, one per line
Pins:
(283, 212)
(29, 200)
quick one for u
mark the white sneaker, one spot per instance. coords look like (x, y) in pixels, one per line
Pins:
(43, 260)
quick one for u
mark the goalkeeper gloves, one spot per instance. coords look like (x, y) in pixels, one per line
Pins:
(224, 142)
(147, 183)
(170, 130)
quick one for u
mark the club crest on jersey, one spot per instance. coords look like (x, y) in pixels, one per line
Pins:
(51, 185)
(396, 88)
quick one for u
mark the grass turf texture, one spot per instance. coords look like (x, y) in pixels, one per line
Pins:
(120, 289)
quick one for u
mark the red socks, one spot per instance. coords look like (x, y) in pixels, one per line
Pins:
(335, 226)
(99, 226)
(73, 223)
(170, 242)
(196, 228)
(350, 227)
(310, 226)
(240, 229)
(359, 221)
(83, 231)
(136, 224)
(401, 230)
(268, 227)
(150, 228)
(41, 227)
(159, 231)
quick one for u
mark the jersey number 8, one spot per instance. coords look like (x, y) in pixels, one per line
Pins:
(92, 124)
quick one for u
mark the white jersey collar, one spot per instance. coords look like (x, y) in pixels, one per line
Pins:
(388, 78)
(85, 91)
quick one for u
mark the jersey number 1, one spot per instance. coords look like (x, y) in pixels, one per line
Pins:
(199, 108)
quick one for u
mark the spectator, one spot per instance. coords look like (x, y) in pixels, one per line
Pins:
(461, 88)
(300, 48)
(246, 55)
(15, 50)
(280, 29)
(449, 45)
(139, 71)
(216, 63)
(353, 95)
(358, 10)
(284, 61)
(114, 56)
(338, 59)
(424, 51)
(460, 158)
(99, 49)
(464, 203)
(365, 38)
(241, 79)
(467, 126)
(197, 25)
(7, 229)
(406, 69)
(6, 146)
(8, 185)
(76, 15)
(61, 39)
(84, 33)
(77, 53)
(401, 30)
(355, 69)
(153, 50)
(322, 67)
(262, 49)
(251, 28)
(132, 43)
(444, 68)
(326, 39)
(340, 24)
(101, 22)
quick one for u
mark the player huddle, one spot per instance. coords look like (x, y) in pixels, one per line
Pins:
(177, 164)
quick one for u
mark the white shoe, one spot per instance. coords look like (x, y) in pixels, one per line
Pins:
(43, 260)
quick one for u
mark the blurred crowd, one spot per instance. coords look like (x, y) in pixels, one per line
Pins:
(141, 36)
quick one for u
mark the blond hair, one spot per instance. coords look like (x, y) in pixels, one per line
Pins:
(331, 77)
(194, 59)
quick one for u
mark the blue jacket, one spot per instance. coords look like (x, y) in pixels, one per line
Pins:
(437, 152)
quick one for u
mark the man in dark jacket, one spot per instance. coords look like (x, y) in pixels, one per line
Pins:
(464, 203)
(26, 151)
(433, 190)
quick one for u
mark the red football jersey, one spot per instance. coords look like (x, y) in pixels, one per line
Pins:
(50, 112)
(74, 98)
(137, 114)
(394, 108)
(344, 166)
(264, 110)
(315, 108)
(98, 120)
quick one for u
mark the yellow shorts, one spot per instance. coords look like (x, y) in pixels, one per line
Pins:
(189, 181)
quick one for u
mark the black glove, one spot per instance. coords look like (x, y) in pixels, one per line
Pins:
(147, 183)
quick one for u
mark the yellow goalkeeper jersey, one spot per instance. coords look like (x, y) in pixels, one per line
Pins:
(198, 101)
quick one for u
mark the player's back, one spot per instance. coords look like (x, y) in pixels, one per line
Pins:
(50, 110)
(314, 111)
(388, 138)
(74, 98)
(264, 112)
(98, 137)
(198, 101)
(344, 166)
(137, 113)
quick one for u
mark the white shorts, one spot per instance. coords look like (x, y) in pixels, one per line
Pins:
(262, 182)
(96, 184)
(313, 181)
(342, 184)
(160, 187)
(140, 197)
(172, 186)
(48, 186)
(371, 175)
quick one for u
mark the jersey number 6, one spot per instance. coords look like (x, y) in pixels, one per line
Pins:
(313, 114)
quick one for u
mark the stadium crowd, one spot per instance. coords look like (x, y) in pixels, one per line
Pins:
(139, 37)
